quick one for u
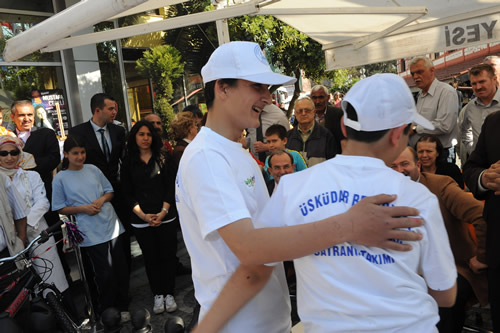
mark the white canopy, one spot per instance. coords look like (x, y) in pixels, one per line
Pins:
(352, 32)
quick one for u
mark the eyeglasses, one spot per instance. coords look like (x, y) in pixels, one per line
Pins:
(303, 111)
(4, 153)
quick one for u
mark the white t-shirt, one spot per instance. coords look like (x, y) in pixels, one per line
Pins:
(218, 183)
(349, 287)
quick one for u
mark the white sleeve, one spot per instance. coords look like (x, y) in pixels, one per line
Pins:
(41, 204)
(16, 202)
(212, 193)
(466, 130)
(437, 263)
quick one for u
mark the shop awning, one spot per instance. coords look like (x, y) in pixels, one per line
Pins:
(352, 32)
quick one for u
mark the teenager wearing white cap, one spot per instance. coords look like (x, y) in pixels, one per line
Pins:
(217, 206)
(350, 287)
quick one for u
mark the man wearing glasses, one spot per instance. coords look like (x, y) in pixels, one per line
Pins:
(313, 141)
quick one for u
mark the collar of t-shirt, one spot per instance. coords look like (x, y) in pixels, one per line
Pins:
(350, 160)
(23, 135)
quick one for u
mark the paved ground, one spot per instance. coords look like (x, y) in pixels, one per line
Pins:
(479, 320)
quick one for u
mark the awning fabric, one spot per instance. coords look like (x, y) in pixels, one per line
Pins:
(352, 32)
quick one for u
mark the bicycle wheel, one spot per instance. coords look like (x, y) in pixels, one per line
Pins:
(62, 317)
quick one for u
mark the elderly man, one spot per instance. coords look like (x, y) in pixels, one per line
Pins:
(482, 176)
(456, 207)
(314, 142)
(280, 164)
(485, 86)
(42, 143)
(327, 115)
(437, 101)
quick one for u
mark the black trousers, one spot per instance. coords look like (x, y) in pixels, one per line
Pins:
(159, 248)
(453, 319)
(494, 295)
(110, 273)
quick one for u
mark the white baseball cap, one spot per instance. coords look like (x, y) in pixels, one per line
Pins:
(241, 60)
(382, 101)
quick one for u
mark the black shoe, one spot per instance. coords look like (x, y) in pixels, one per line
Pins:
(182, 270)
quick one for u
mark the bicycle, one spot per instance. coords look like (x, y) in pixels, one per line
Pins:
(32, 288)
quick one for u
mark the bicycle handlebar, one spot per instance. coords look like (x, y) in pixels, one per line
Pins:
(40, 239)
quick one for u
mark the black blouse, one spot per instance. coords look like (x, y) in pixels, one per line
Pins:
(149, 185)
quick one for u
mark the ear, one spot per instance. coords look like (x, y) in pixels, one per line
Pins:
(220, 90)
(65, 154)
(395, 135)
(285, 140)
(342, 127)
(419, 165)
(12, 116)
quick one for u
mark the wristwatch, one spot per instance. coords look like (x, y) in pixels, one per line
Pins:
(166, 210)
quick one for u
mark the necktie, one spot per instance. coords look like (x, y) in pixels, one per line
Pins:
(105, 146)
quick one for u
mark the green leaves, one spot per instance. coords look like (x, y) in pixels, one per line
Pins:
(162, 64)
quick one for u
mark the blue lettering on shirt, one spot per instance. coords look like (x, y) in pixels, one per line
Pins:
(328, 198)
(351, 251)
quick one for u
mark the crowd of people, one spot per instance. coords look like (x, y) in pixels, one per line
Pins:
(369, 245)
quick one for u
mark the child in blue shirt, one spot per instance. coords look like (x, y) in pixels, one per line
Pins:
(82, 190)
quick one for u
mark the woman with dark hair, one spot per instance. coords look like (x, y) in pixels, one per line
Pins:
(148, 180)
(432, 159)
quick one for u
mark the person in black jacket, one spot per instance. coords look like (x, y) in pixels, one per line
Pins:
(148, 177)
(314, 142)
(482, 176)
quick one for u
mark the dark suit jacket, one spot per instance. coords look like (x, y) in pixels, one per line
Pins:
(270, 186)
(487, 152)
(95, 155)
(332, 122)
(44, 146)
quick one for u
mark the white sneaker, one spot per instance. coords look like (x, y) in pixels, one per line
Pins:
(124, 317)
(159, 304)
(170, 304)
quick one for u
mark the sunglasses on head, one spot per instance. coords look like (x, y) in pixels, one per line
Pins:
(4, 153)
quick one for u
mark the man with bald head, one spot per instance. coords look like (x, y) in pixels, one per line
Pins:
(155, 120)
(314, 142)
(280, 164)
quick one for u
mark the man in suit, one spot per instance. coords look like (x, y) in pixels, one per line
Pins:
(104, 142)
(280, 164)
(327, 115)
(42, 143)
(105, 154)
(482, 176)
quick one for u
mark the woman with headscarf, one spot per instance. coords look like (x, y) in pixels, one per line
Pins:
(14, 164)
